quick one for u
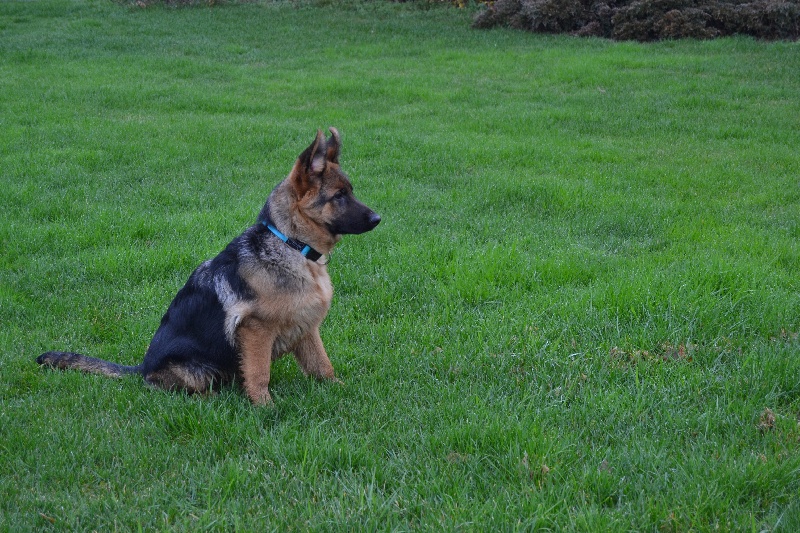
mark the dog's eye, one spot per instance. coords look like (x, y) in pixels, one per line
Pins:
(340, 194)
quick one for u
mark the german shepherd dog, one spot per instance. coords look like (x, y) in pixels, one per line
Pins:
(263, 296)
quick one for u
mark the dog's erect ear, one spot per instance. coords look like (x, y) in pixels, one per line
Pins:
(313, 158)
(333, 146)
(311, 163)
(320, 152)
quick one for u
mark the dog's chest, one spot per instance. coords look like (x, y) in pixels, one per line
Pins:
(289, 303)
(314, 297)
(304, 313)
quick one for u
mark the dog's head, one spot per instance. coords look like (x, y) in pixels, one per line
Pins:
(315, 202)
(324, 193)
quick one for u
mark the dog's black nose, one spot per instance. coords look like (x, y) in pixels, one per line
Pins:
(374, 219)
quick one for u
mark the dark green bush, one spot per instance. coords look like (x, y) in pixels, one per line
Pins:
(647, 20)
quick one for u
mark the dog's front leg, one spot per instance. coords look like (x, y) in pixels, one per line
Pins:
(255, 339)
(311, 356)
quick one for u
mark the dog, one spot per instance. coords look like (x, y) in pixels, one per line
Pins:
(265, 295)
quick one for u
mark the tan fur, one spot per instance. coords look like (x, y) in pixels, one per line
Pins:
(277, 322)
(255, 340)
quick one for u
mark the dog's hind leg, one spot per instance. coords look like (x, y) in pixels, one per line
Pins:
(312, 358)
(188, 377)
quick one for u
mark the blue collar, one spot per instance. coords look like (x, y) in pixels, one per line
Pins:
(305, 250)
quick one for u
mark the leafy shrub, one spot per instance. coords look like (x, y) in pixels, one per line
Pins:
(647, 20)
(650, 20)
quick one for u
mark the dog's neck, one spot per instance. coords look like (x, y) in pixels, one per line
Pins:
(305, 250)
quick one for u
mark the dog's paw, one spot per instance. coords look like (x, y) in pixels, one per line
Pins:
(263, 401)
(261, 397)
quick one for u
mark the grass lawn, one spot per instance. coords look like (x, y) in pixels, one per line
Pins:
(580, 312)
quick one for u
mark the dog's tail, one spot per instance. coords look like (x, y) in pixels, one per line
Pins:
(76, 361)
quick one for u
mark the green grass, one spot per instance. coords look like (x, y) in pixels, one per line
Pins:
(582, 300)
